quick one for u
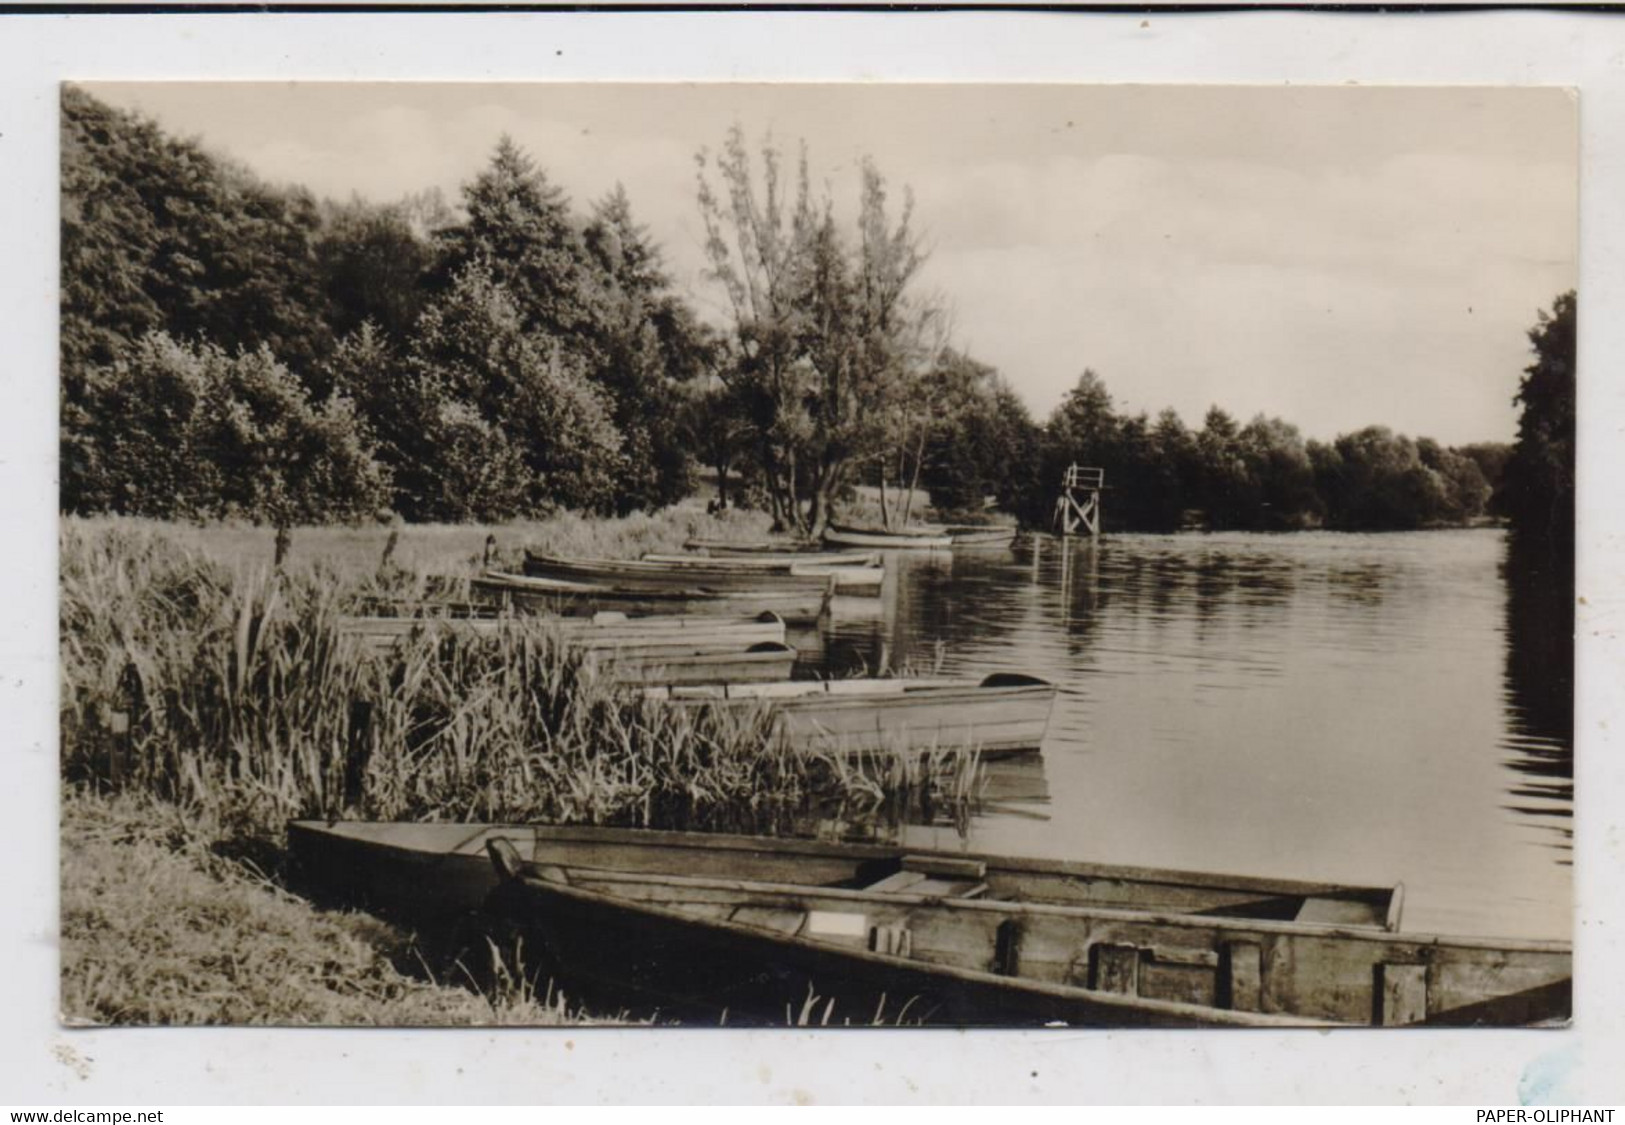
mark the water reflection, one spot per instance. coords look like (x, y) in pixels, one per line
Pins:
(1539, 695)
(1375, 708)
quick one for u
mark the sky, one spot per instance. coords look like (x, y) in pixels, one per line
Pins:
(1338, 256)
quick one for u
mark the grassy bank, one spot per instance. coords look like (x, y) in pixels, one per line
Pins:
(157, 929)
(443, 548)
(222, 697)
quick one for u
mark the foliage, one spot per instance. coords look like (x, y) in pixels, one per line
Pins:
(826, 338)
(372, 260)
(979, 439)
(510, 426)
(1260, 477)
(1538, 484)
(506, 361)
(157, 235)
(186, 431)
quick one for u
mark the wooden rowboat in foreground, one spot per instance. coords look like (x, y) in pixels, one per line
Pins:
(936, 941)
(1004, 713)
(700, 925)
(550, 595)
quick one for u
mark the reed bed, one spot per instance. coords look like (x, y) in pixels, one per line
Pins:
(230, 691)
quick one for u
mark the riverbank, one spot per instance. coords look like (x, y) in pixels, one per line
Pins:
(207, 698)
(158, 928)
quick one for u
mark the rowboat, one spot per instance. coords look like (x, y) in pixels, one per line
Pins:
(638, 574)
(931, 937)
(982, 536)
(551, 595)
(633, 635)
(853, 573)
(747, 652)
(1004, 713)
(771, 561)
(701, 924)
(762, 663)
(896, 539)
(799, 549)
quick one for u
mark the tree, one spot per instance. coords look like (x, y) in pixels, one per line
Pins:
(1283, 480)
(185, 431)
(158, 235)
(1226, 489)
(519, 230)
(645, 345)
(826, 335)
(372, 262)
(1538, 484)
(482, 374)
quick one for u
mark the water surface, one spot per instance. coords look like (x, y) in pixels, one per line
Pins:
(1369, 708)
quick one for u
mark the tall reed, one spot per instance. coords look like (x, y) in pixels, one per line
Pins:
(231, 691)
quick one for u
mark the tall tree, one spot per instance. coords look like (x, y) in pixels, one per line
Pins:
(522, 394)
(826, 333)
(519, 230)
(1538, 483)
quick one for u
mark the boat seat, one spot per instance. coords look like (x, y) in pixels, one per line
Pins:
(920, 883)
(1339, 912)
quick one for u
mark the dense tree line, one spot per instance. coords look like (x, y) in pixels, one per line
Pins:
(1261, 476)
(230, 347)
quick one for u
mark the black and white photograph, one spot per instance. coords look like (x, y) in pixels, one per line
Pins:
(843, 555)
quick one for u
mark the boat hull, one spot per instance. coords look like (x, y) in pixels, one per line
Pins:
(429, 868)
(661, 577)
(648, 957)
(793, 549)
(1001, 716)
(885, 541)
(695, 924)
(668, 638)
(853, 573)
(541, 595)
(756, 951)
(645, 665)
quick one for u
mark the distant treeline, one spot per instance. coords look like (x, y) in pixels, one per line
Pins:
(233, 348)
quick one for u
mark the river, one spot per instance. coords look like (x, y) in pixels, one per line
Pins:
(1363, 708)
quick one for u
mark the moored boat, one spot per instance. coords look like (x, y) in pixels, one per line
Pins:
(693, 633)
(762, 663)
(698, 924)
(932, 937)
(1004, 713)
(854, 573)
(639, 574)
(748, 651)
(809, 549)
(917, 537)
(551, 595)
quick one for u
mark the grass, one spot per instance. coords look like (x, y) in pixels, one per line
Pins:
(159, 930)
(443, 548)
(221, 695)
